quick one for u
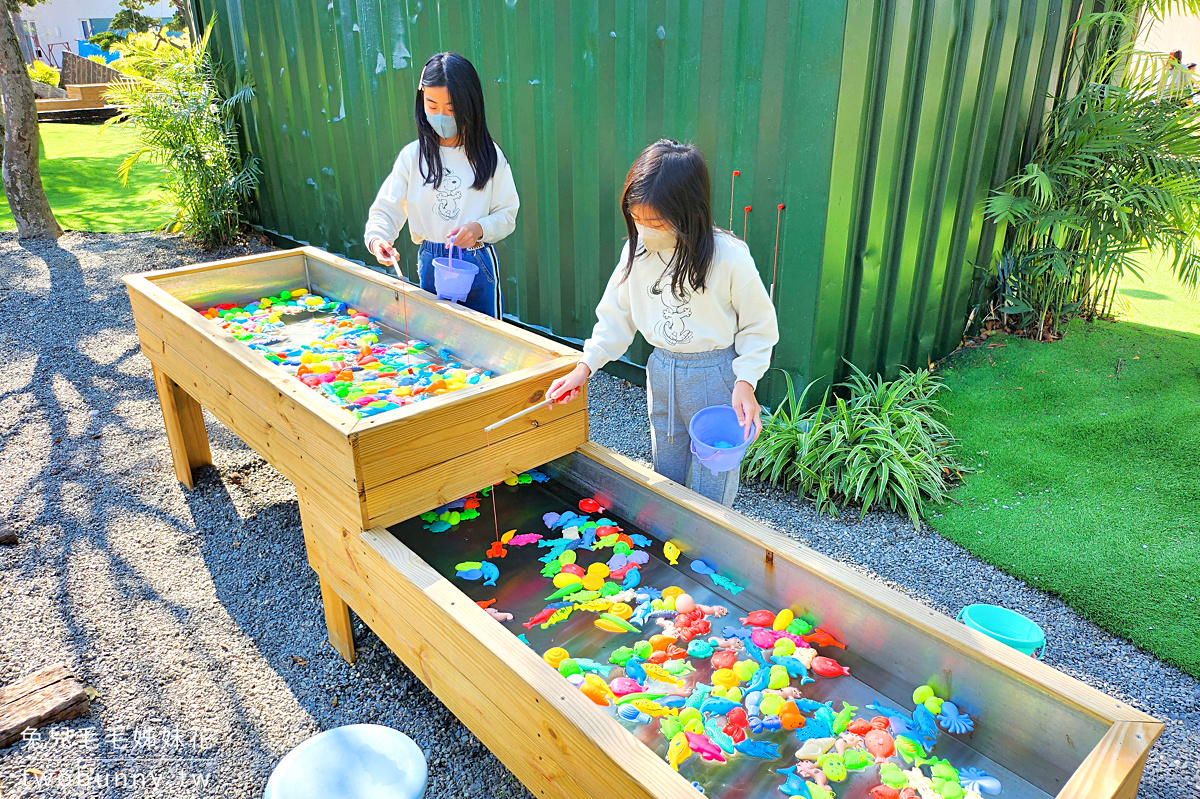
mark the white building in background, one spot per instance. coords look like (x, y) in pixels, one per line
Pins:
(55, 25)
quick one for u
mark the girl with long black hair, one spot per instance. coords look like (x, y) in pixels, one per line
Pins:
(452, 185)
(694, 293)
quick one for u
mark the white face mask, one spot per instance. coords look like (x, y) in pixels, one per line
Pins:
(656, 240)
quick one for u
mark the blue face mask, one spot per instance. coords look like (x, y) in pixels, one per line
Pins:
(443, 124)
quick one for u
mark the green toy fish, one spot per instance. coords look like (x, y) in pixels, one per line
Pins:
(842, 720)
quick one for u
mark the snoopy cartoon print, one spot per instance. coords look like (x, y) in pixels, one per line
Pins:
(672, 328)
(449, 196)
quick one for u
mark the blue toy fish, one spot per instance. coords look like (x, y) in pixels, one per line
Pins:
(753, 651)
(758, 680)
(537, 476)
(763, 749)
(795, 668)
(815, 727)
(471, 573)
(718, 705)
(700, 692)
(926, 727)
(593, 666)
(523, 639)
(795, 784)
(634, 671)
(712, 728)
(631, 713)
(640, 613)
(633, 578)
(438, 527)
(662, 614)
(807, 705)
(640, 540)
(490, 573)
(672, 701)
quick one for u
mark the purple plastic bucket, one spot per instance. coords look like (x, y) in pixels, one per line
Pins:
(718, 441)
(453, 277)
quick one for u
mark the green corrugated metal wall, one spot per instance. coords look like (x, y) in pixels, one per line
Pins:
(880, 124)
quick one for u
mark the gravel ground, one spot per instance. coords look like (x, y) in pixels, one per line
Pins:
(161, 599)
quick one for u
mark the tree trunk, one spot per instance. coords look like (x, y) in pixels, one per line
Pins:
(22, 174)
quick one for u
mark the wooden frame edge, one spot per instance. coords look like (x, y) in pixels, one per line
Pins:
(1113, 769)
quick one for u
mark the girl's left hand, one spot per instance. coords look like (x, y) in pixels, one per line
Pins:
(749, 413)
(466, 236)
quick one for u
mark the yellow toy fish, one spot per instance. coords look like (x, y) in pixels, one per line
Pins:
(678, 751)
(652, 708)
(671, 553)
(557, 616)
(601, 685)
(596, 605)
(657, 672)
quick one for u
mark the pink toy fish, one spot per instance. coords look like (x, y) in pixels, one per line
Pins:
(498, 615)
(621, 686)
(523, 539)
(703, 746)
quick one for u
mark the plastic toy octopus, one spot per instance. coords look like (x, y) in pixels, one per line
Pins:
(953, 721)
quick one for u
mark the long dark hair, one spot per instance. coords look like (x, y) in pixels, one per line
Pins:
(672, 179)
(459, 77)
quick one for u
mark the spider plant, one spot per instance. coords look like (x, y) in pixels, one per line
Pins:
(172, 101)
(1116, 171)
(881, 444)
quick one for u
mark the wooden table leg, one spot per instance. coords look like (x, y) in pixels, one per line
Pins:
(184, 420)
(337, 621)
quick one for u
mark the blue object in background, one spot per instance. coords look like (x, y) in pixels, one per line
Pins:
(86, 49)
(360, 761)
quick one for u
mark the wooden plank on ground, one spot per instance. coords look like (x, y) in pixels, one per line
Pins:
(48, 695)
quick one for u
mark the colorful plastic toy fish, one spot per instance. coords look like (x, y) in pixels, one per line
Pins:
(822, 638)
(702, 566)
(795, 668)
(438, 526)
(634, 669)
(678, 750)
(978, 780)
(640, 540)
(729, 585)
(656, 672)
(671, 553)
(908, 749)
(595, 605)
(757, 618)
(558, 616)
(925, 727)
(718, 705)
(524, 539)
(633, 578)
(814, 728)
(712, 728)
(523, 639)
(880, 744)
(707, 749)
(631, 713)
(652, 708)
(761, 749)
(842, 719)
(795, 784)
(954, 722)
(828, 667)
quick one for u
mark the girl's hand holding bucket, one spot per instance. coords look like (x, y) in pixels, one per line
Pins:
(465, 236)
(746, 405)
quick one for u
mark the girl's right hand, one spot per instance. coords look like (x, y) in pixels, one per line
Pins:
(565, 389)
(383, 252)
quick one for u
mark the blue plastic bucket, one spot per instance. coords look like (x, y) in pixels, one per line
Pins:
(1006, 626)
(718, 441)
(453, 277)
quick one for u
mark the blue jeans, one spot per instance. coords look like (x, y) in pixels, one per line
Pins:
(485, 290)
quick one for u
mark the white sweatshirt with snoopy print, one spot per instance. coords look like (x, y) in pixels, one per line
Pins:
(432, 213)
(734, 309)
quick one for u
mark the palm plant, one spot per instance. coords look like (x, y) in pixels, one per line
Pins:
(1116, 171)
(880, 445)
(183, 124)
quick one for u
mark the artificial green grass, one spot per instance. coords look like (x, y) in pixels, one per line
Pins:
(79, 174)
(1087, 483)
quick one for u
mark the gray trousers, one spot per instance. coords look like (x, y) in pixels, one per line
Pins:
(679, 385)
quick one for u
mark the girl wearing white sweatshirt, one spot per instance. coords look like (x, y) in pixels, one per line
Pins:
(452, 185)
(694, 293)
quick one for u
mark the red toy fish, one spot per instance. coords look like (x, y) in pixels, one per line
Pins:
(822, 638)
(828, 667)
(590, 505)
(539, 618)
(486, 603)
(884, 792)
(759, 618)
(880, 744)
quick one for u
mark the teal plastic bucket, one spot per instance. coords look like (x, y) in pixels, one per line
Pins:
(1006, 626)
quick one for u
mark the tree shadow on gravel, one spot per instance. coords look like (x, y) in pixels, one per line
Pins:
(94, 463)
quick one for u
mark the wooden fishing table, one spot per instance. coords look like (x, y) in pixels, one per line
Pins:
(360, 482)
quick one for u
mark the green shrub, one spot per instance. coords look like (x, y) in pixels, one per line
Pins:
(172, 102)
(879, 445)
(43, 73)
